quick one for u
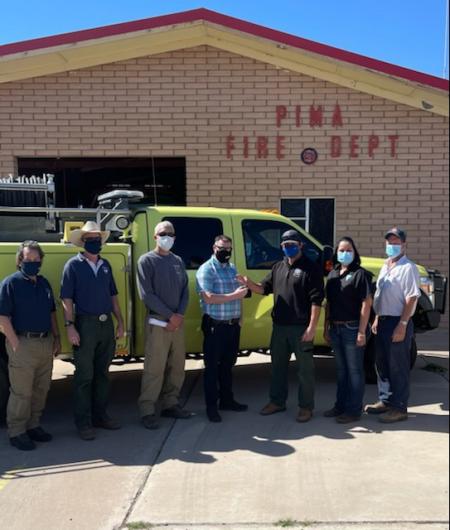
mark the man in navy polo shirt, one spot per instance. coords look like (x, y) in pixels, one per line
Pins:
(28, 321)
(89, 296)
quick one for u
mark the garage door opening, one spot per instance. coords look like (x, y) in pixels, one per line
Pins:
(79, 181)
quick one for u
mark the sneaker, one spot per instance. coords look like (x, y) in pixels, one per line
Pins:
(304, 415)
(214, 416)
(376, 408)
(87, 434)
(39, 435)
(332, 413)
(393, 416)
(107, 423)
(22, 442)
(346, 418)
(234, 406)
(150, 422)
(177, 413)
(271, 408)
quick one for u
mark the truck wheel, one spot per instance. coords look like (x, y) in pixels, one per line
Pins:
(370, 358)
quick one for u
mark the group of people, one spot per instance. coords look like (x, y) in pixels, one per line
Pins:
(89, 299)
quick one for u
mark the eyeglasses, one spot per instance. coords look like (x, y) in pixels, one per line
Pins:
(166, 234)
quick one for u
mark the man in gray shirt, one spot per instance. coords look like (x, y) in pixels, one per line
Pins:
(163, 287)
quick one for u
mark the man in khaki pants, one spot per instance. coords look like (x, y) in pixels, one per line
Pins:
(28, 320)
(163, 287)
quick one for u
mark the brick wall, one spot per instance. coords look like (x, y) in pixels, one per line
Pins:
(186, 103)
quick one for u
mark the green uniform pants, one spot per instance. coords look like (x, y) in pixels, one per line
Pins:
(286, 340)
(30, 374)
(92, 360)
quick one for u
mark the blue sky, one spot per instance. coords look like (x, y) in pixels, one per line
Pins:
(410, 33)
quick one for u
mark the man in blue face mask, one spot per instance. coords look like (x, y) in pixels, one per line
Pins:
(28, 321)
(89, 296)
(297, 286)
(394, 304)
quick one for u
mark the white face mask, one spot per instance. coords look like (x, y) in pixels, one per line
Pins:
(165, 243)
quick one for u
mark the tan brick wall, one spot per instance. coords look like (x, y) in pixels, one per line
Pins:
(186, 103)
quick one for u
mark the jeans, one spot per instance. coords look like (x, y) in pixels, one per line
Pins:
(221, 348)
(393, 363)
(286, 340)
(350, 368)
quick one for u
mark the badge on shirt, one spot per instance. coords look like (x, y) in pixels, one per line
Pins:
(348, 277)
(106, 270)
(297, 273)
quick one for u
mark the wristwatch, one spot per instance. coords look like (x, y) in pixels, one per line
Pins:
(404, 322)
(68, 323)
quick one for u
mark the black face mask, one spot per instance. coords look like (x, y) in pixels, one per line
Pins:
(223, 256)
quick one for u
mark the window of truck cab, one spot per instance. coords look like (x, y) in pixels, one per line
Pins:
(262, 239)
(195, 238)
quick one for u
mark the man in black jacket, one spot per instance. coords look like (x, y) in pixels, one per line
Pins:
(297, 286)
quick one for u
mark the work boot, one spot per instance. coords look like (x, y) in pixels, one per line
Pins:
(39, 435)
(304, 415)
(87, 434)
(271, 408)
(393, 416)
(150, 422)
(22, 442)
(332, 413)
(213, 416)
(177, 413)
(108, 424)
(346, 418)
(234, 406)
(376, 408)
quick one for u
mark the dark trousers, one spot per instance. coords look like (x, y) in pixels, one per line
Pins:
(393, 363)
(350, 368)
(4, 380)
(220, 348)
(286, 340)
(92, 360)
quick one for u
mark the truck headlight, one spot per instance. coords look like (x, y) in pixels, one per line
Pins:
(427, 286)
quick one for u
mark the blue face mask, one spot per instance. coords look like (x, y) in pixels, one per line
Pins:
(393, 251)
(290, 251)
(31, 268)
(93, 246)
(346, 257)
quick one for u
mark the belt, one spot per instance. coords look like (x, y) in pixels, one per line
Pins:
(343, 322)
(33, 335)
(231, 322)
(386, 317)
(102, 318)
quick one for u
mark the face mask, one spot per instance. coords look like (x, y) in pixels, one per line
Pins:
(346, 257)
(223, 256)
(30, 268)
(393, 251)
(291, 251)
(166, 243)
(93, 246)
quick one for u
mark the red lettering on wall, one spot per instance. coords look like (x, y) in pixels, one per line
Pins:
(315, 116)
(246, 146)
(281, 113)
(230, 146)
(337, 117)
(336, 146)
(354, 147)
(262, 147)
(393, 139)
(280, 147)
(298, 116)
(374, 142)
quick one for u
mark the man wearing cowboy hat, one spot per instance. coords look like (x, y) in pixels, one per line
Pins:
(89, 296)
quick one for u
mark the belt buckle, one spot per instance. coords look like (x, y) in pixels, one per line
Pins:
(103, 318)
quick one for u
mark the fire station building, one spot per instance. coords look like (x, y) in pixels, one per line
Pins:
(199, 108)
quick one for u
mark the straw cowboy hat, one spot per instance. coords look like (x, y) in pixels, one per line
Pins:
(90, 227)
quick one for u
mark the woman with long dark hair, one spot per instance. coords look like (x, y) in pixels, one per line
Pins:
(349, 302)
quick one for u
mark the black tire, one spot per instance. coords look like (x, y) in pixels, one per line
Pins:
(370, 359)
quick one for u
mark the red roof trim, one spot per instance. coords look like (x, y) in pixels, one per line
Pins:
(232, 23)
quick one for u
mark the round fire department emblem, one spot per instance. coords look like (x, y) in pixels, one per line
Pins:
(309, 156)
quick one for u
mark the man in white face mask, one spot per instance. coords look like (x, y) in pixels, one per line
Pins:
(163, 286)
